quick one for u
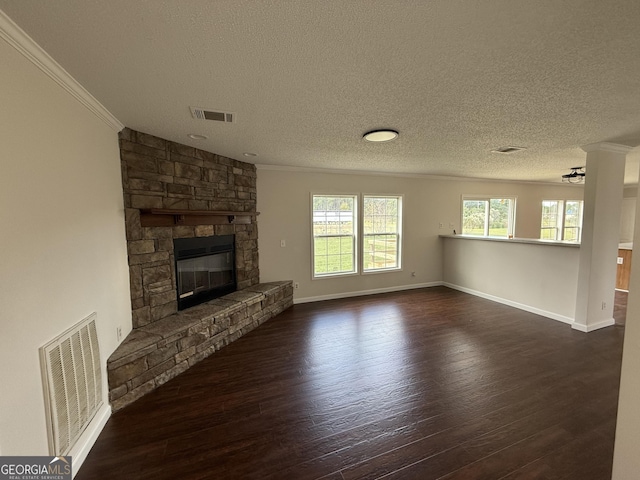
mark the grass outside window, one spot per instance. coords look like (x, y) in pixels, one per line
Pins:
(334, 234)
(338, 249)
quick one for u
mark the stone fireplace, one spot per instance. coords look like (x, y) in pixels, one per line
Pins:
(159, 175)
(190, 223)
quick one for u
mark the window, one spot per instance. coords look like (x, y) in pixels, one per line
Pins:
(561, 220)
(551, 219)
(381, 230)
(572, 230)
(337, 245)
(334, 235)
(488, 217)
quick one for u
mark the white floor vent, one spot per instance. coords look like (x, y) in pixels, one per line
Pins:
(72, 383)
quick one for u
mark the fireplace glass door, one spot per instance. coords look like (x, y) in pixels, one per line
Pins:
(205, 268)
(204, 273)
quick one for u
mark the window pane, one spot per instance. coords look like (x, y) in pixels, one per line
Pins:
(381, 226)
(572, 234)
(572, 221)
(380, 252)
(572, 214)
(474, 216)
(334, 234)
(499, 211)
(551, 221)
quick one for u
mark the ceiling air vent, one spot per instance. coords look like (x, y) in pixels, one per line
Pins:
(507, 150)
(202, 114)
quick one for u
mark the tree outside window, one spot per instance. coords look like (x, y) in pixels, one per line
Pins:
(488, 217)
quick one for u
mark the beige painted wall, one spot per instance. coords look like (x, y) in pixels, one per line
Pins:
(284, 206)
(62, 238)
(539, 278)
(626, 461)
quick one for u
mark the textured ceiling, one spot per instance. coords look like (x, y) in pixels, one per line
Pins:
(307, 78)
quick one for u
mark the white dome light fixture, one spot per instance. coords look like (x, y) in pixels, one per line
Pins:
(385, 135)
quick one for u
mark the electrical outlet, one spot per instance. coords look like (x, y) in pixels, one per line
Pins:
(620, 260)
(118, 333)
(441, 225)
(604, 305)
(413, 274)
(296, 285)
(283, 243)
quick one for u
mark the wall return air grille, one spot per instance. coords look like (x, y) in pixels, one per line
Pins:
(209, 114)
(72, 380)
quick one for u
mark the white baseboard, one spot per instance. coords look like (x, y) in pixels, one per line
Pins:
(596, 326)
(360, 293)
(511, 303)
(81, 449)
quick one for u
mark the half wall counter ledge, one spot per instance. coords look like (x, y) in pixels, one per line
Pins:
(532, 241)
(161, 217)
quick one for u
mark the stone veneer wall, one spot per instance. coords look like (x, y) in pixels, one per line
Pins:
(157, 173)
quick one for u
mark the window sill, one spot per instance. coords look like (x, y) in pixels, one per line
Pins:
(334, 275)
(385, 270)
(533, 241)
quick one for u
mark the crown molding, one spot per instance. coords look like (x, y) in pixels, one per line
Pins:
(25, 45)
(607, 147)
(450, 178)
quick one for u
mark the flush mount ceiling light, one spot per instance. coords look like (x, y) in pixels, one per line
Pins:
(576, 175)
(249, 154)
(195, 136)
(380, 135)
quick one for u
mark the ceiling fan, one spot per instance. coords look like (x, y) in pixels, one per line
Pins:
(576, 175)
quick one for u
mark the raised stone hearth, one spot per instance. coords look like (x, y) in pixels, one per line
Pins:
(154, 354)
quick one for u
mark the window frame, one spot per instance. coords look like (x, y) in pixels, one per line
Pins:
(561, 221)
(580, 220)
(511, 215)
(398, 234)
(358, 235)
(354, 236)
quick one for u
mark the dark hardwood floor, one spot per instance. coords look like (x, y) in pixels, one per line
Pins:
(422, 384)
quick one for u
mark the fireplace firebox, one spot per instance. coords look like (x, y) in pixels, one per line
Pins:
(205, 268)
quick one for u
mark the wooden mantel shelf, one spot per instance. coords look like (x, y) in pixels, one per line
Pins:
(161, 217)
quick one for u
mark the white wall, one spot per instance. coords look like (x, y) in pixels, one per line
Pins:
(539, 278)
(62, 238)
(284, 206)
(626, 461)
